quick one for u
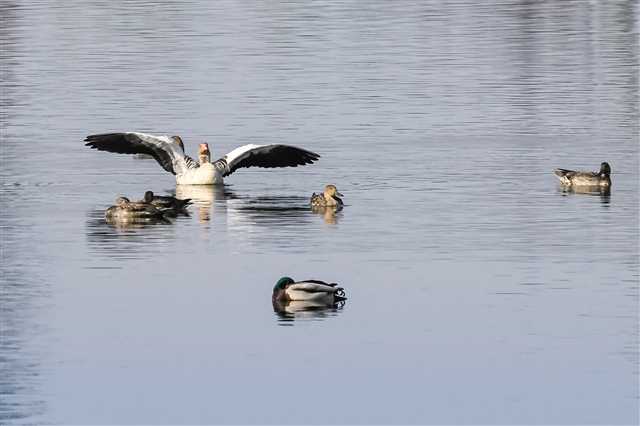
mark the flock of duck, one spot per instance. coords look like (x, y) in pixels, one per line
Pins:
(168, 151)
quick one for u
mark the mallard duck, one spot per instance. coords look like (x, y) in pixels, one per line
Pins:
(166, 202)
(330, 197)
(127, 210)
(286, 289)
(169, 153)
(574, 178)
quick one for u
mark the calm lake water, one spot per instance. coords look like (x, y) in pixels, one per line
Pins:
(479, 291)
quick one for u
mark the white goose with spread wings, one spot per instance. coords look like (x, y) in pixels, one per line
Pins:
(169, 152)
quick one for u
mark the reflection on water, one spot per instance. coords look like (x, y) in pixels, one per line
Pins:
(330, 215)
(206, 198)
(602, 191)
(300, 310)
(444, 119)
(127, 239)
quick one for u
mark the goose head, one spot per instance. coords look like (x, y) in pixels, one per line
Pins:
(204, 155)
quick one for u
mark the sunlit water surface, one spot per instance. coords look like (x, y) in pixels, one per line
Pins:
(479, 291)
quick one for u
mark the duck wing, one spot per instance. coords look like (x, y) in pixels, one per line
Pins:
(166, 150)
(564, 172)
(313, 286)
(570, 174)
(267, 156)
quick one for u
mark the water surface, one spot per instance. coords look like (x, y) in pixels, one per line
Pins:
(479, 291)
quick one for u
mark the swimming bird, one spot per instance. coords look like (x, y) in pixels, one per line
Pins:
(329, 198)
(166, 202)
(574, 178)
(169, 153)
(287, 289)
(127, 210)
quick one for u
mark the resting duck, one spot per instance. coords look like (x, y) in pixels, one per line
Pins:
(310, 290)
(166, 202)
(127, 210)
(573, 178)
(329, 198)
(169, 153)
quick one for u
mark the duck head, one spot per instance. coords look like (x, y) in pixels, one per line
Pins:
(178, 139)
(605, 169)
(122, 202)
(332, 191)
(280, 287)
(148, 196)
(204, 155)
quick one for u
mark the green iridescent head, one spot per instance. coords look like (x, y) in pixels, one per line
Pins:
(283, 283)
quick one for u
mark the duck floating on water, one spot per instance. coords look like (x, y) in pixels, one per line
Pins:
(169, 153)
(330, 197)
(286, 289)
(166, 202)
(126, 210)
(573, 178)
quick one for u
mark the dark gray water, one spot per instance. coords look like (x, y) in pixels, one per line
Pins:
(479, 291)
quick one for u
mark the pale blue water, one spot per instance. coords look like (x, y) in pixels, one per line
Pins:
(479, 291)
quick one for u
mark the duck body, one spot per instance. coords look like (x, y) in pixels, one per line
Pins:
(286, 289)
(127, 210)
(574, 178)
(330, 197)
(166, 202)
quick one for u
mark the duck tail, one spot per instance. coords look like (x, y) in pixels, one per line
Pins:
(181, 204)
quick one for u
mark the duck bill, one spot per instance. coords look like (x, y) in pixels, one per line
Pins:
(339, 194)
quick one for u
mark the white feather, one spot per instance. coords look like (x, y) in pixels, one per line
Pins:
(308, 296)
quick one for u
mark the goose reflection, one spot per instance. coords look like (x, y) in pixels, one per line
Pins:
(204, 198)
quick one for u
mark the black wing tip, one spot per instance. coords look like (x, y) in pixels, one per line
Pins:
(98, 136)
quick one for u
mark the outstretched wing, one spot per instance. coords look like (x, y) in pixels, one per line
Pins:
(264, 156)
(167, 150)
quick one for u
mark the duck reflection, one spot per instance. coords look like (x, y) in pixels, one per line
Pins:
(329, 214)
(134, 222)
(300, 310)
(309, 299)
(599, 191)
(127, 238)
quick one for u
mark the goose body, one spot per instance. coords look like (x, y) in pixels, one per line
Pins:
(127, 210)
(168, 151)
(330, 197)
(574, 178)
(286, 289)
